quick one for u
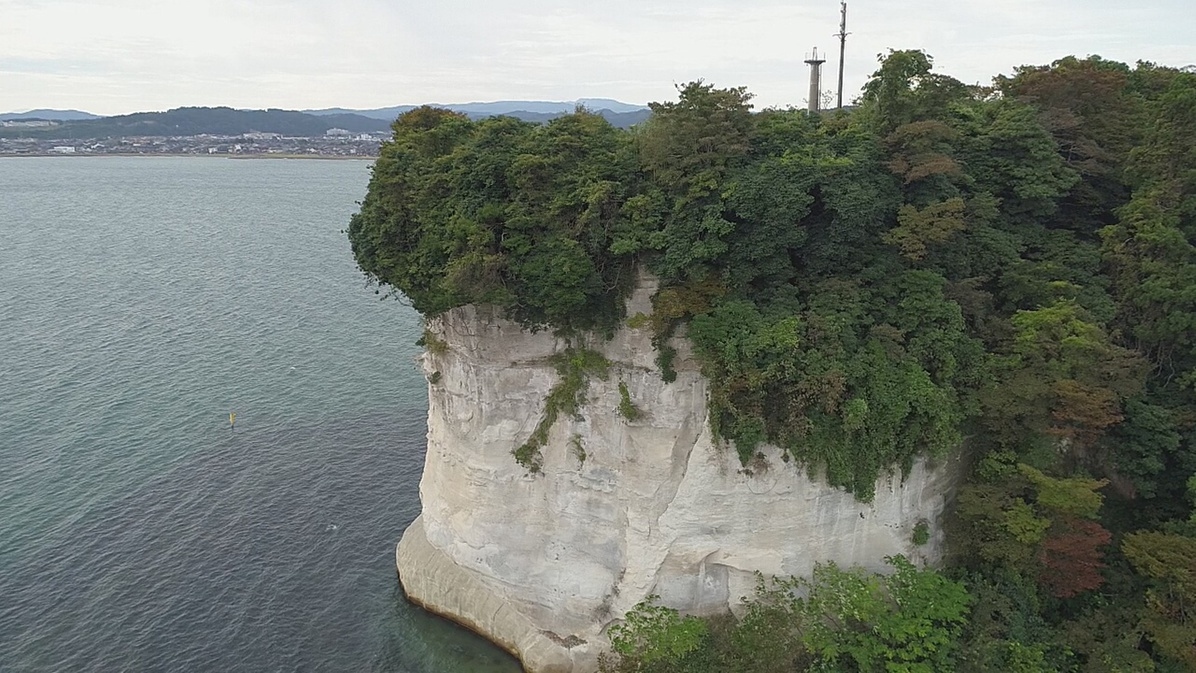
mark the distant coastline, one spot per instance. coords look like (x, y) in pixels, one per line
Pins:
(338, 157)
(268, 134)
(331, 157)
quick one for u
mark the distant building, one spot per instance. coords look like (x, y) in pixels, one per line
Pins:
(63, 149)
(28, 123)
(340, 133)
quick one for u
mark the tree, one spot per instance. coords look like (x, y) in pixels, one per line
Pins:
(688, 148)
(1006, 631)
(394, 238)
(1166, 156)
(917, 230)
(852, 620)
(1064, 377)
(501, 212)
(907, 622)
(1027, 522)
(1169, 561)
(1086, 107)
(1011, 156)
(903, 89)
(656, 637)
(1070, 557)
(1153, 267)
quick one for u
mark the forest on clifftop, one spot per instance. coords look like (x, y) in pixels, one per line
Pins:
(1007, 268)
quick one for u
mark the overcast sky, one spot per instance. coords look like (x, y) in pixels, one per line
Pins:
(118, 56)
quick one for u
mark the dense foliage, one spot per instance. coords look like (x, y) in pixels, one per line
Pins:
(838, 620)
(1010, 269)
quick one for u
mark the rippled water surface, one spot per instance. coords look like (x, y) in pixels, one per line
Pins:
(143, 300)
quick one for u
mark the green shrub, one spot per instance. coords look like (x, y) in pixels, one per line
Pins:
(655, 635)
(838, 620)
(921, 533)
(627, 408)
(639, 321)
(434, 344)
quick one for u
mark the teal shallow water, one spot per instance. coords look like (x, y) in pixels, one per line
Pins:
(141, 301)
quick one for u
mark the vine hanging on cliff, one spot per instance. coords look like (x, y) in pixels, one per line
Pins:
(574, 366)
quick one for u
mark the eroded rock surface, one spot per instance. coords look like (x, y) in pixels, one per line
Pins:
(543, 564)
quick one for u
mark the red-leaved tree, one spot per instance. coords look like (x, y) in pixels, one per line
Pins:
(1070, 558)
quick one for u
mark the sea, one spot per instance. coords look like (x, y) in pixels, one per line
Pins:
(142, 301)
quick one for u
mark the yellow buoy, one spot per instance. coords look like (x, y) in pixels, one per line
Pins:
(232, 419)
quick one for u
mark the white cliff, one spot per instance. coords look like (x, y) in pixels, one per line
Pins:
(543, 564)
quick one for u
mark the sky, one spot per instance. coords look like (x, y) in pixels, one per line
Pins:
(118, 56)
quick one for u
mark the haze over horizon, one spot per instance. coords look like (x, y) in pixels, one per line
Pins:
(135, 55)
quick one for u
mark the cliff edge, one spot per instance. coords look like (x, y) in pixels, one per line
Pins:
(543, 564)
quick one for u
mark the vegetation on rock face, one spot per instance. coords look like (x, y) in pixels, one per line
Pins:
(1013, 264)
(921, 533)
(574, 367)
(627, 408)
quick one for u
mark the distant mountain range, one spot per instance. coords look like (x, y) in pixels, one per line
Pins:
(189, 121)
(502, 107)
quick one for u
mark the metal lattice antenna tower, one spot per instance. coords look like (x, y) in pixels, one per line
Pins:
(815, 63)
(842, 35)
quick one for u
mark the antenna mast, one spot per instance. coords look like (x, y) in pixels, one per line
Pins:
(842, 35)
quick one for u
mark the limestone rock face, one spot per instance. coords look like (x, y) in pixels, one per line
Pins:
(543, 564)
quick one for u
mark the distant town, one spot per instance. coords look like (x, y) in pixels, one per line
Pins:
(333, 143)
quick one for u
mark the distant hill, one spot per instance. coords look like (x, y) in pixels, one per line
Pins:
(610, 104)
(193, 121)
(618, 119)
(522, 109)
(49, 115)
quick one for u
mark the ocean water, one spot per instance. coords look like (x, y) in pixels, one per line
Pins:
(143, 300)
